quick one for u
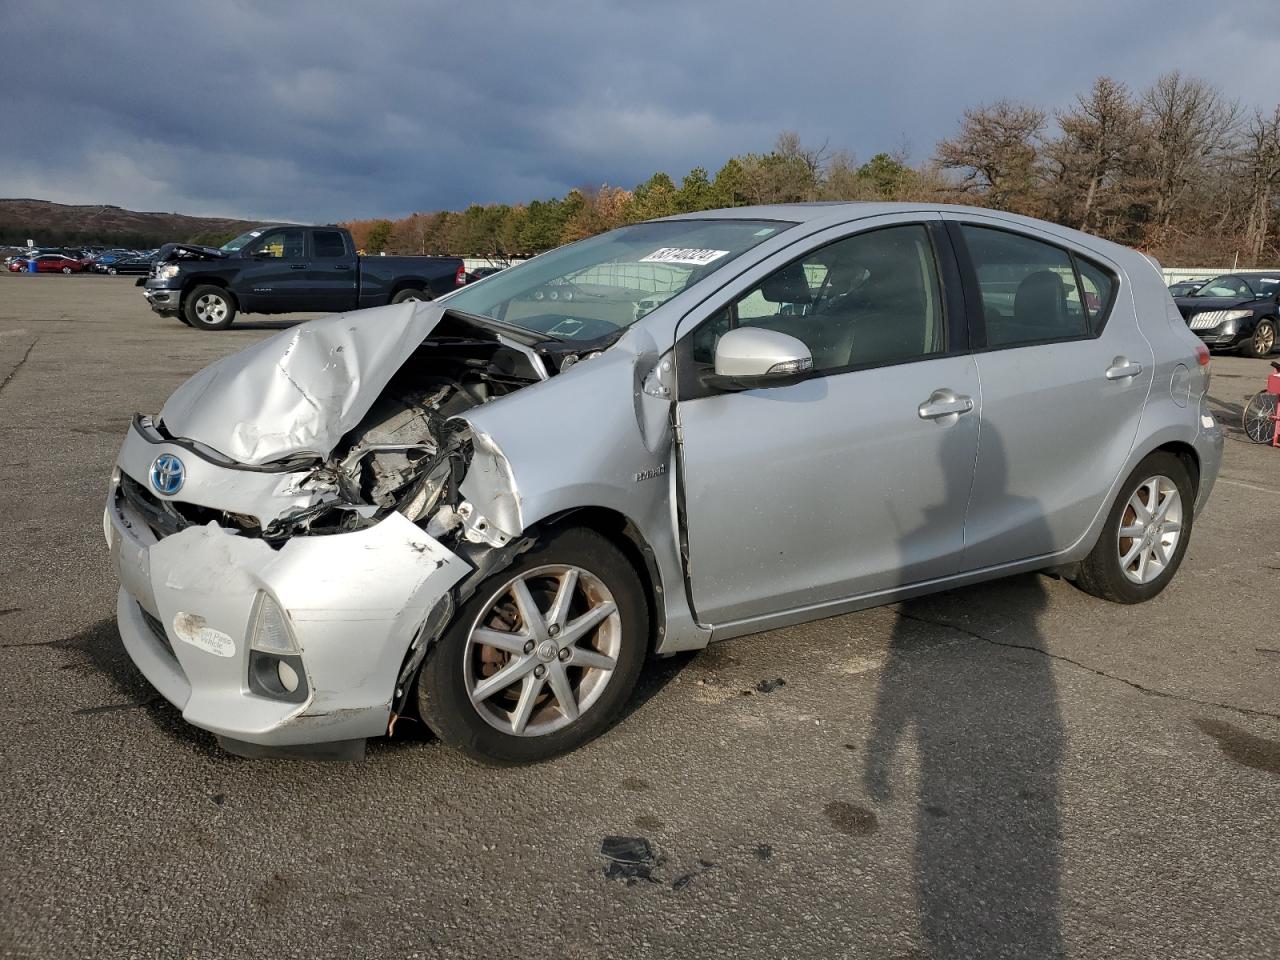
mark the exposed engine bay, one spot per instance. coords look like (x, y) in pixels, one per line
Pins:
(408, 453)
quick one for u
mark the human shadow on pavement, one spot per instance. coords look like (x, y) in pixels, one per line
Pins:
(988, 741)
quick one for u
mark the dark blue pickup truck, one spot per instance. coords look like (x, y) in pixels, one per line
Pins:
(285, 269)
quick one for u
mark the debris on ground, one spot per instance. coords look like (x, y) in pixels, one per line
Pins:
(768, 686)
(629, 859)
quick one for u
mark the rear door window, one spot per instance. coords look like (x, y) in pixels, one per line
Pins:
(328, 244)
(1028, 288)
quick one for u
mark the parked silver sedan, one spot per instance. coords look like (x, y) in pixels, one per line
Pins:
(492, 508)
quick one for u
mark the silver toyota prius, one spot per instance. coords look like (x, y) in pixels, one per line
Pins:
(492, 508)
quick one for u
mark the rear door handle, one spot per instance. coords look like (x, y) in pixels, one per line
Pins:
(342, 266)
(1122, 368)
(299, 266)
(944, 403)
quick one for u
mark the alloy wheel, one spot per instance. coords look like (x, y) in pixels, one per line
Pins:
(542, 650)
(1264, 339)
(1150, 528)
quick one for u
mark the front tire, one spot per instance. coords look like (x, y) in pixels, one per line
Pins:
(1262, 342)
(543, 656)
(1145, 535)
(66, 271)
(209, 308)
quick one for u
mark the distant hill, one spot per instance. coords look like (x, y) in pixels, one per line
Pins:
(58, 224)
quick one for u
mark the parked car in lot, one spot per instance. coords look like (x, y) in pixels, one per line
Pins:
(479, 273)
(1184, 288)
(132, 265)
(105, 261)
(288, 268)
(492, 508)
(49, 263)
(1236, 311)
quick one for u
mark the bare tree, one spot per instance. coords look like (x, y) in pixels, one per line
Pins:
(1260, 160)
(1096, 161)
(1192, 127)
(998, 148)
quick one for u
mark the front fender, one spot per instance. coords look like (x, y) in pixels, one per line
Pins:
(576, 441)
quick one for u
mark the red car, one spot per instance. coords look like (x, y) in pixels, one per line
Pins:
(49, 263)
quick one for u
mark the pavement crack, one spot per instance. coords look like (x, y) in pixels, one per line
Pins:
(1141, 688)
(18, 366)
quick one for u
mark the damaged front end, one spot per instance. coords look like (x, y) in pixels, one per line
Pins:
(322, 476)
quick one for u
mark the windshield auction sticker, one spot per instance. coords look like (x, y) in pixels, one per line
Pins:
(690, 256)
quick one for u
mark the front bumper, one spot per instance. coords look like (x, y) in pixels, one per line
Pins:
(166, 301)
(353, 601)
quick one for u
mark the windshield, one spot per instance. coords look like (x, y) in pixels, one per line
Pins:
(602, 285)
(1224, 286)
(231, 246)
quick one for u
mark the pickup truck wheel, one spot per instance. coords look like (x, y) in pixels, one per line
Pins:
(404, 296)
(209, 308)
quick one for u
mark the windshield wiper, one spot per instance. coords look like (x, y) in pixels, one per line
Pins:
(523, 335)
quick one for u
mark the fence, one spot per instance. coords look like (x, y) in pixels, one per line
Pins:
(1178, 274)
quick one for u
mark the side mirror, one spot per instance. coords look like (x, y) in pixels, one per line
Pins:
(752, 357)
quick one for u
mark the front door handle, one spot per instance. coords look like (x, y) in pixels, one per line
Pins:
(944, 403)
(342, 266)
(1122, 368)
(299, 266)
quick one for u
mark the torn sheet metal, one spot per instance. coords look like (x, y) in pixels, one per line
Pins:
(300, 391)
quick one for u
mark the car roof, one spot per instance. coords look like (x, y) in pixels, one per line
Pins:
(836, 212)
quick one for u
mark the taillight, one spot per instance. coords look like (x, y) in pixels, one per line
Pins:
(1202, 358)
(460, 278)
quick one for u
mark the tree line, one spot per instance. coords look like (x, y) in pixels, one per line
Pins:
(1177, 170)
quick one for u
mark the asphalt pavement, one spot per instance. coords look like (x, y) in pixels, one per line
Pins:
(1009, 770)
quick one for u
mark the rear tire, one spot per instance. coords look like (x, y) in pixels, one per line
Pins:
(1135, 568)
(1262, 342)
(66, 271)
(491, 634)
(404, 296)
(208, 307)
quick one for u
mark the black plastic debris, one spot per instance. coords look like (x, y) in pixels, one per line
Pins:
(630, 859)
(768, 686)
(763, 851)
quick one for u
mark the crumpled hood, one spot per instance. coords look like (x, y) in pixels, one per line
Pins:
(174, 251)
(302, 390)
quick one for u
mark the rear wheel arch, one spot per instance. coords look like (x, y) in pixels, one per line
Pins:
(1187, 454)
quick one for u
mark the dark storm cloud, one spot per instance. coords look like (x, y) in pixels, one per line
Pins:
(323, 111)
